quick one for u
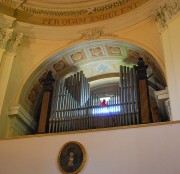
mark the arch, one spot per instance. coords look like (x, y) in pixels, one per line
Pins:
(30, 76)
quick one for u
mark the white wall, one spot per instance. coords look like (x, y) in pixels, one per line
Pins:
(143, 150)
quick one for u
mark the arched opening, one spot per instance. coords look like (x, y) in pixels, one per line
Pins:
(100, 61)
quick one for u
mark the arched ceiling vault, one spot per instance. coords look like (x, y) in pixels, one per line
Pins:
(98, 59)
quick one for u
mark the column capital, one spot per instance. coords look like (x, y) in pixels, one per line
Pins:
(14, 42)
(5, 35)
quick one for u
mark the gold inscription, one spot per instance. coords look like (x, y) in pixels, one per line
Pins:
(78, 21)
(67, 21)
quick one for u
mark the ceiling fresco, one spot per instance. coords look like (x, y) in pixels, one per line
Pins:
(99, 60)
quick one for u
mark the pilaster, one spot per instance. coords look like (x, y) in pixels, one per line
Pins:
(168, 16)
(9, 44)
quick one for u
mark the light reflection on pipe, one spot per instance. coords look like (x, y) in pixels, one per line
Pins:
(106, 110)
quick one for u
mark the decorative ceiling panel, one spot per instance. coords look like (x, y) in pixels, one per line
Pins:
(77, 56)
(96, 51)
(114, 50)
(60, 65)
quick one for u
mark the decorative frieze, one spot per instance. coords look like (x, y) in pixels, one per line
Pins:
(166, 11)
(5, 35)
(42, 11)
(14, 42)
(59, 16)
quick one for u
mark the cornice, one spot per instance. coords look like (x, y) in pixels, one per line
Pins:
(20, 113)
(12, 3)
(22, 6)
(6, 21)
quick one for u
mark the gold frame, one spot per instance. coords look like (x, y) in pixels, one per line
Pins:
(83, 160)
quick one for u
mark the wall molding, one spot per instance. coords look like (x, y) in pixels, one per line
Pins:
(21, 123)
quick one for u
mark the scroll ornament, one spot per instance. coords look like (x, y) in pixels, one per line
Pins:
(166, 11)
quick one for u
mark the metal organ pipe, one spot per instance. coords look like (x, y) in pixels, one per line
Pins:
(74, 108)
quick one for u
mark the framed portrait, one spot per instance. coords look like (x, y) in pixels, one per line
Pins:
(71, 158)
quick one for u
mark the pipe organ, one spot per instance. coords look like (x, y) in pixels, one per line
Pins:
(75, 108)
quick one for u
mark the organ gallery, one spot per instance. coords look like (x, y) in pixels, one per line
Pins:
(89, 86)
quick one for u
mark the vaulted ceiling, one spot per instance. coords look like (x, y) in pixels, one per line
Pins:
(99, 60)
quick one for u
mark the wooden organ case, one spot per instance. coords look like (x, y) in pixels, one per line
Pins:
(73, 107)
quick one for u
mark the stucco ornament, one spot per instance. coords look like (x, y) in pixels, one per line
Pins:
(94, 33)
(14, 42)
(166, 11)
(5, 35)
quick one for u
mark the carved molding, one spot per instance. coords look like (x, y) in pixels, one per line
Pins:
(12, 3)
(166, 11)
(47, 12)
(13, 43)
(94, 33)
(21, 123)
(5, 35)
